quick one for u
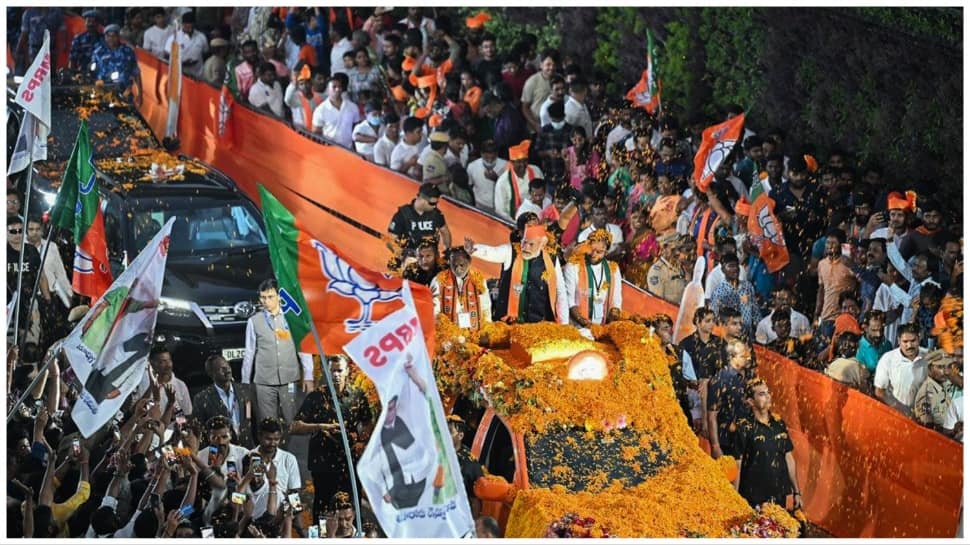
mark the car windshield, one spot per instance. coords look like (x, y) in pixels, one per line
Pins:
(581, 460)
(203, 224)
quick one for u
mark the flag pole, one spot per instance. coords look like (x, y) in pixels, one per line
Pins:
(23, 237)
(343, 428)
(33, 293)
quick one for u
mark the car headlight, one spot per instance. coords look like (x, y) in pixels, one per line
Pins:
(172, 304)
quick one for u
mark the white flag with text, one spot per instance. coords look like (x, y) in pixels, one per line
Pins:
(108, 350)
(409, 468)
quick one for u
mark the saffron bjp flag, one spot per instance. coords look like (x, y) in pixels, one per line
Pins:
(173, 90)
(92, 273)
(646, 93)
(318, 283)
(108, 350)
(764, 229)
(716, 146)
(409, 469)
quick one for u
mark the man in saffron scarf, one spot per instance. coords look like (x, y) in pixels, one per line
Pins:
(513, 185)
(531, 286)
(593, 284)
(460, 293)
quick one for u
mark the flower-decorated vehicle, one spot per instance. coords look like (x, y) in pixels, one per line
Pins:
(585, 438)
(218, 253)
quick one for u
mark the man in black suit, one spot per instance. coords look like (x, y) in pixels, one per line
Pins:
(227, 398)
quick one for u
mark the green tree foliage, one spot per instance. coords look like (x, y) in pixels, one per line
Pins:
(885, 83)
(509, 29)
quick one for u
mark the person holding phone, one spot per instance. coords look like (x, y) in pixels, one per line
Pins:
(285, 476)
(222, 457)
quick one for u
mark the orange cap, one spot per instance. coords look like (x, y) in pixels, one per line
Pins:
(520, 151)
(810, 162)
(408, 64)
(478, 20)
(533, 232)
(305, 73)
(422, 112)
(435, 120)
(898, 201)
(742, 207)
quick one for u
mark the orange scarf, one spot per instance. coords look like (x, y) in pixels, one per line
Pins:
(308, 107)
(473, 97)
(468, 297)
(586, 296)
(516, 198)
(549, 276)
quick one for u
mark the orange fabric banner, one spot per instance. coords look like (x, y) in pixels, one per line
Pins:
(865, 470)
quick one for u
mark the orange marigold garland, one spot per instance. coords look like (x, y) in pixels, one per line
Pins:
(948, 324)
(538, 398)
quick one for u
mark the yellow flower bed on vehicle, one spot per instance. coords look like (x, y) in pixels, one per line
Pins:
(688, 499)
(689, 495)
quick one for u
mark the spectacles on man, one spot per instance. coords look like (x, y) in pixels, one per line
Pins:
(15, 231)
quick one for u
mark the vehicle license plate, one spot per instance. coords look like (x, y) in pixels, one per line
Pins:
(233, 353)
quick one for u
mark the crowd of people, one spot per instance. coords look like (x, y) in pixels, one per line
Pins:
(599, 191)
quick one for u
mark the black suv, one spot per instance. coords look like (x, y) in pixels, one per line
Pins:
(218, 253)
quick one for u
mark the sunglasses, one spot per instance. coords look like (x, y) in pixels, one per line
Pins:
(15, 231)
(432, 203)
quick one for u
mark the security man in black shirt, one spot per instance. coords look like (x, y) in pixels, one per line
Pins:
(419, 220)
(764, 450)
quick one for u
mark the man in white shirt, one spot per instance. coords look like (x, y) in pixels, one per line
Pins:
(482, 174)
(457, 151)
(781, 302)
(304, 94)
(161, 362)
(558, 85)
(900, 372)
(287, 468)
(404, 157)
(230, 454)
(340, 36)
(594, 285)
(619, 132)
(577, 114)
(512, 186)
(389, 138)
(157, 36)
(537, 201)
(54, 270)
(366, 132)
(266, 94)
(598, 219)
(192, 46)
(714, 278)
(335, 117)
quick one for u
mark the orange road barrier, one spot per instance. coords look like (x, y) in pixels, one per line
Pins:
(865, 471)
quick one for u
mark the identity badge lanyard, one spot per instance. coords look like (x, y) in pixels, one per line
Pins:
(281, 333)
